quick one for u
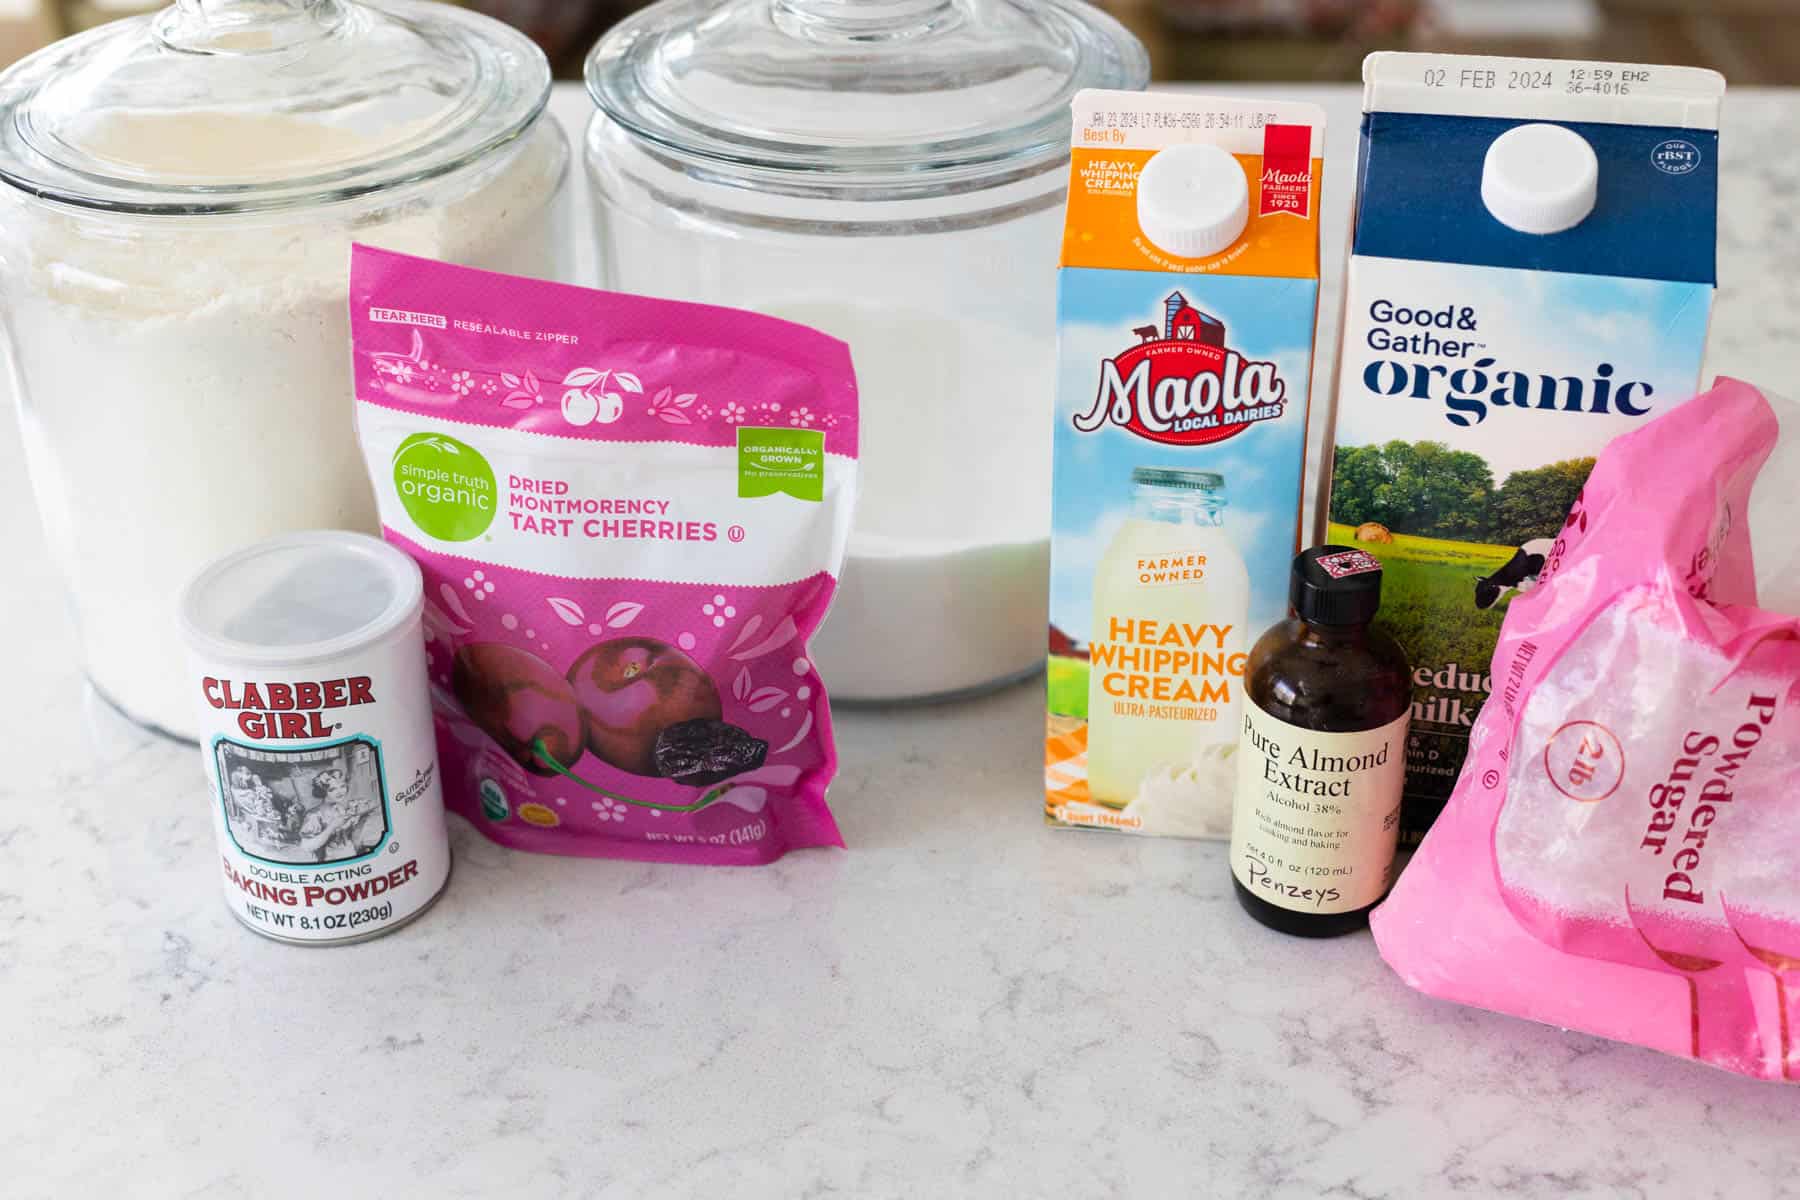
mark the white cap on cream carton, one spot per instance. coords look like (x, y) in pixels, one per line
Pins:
(1192, 200)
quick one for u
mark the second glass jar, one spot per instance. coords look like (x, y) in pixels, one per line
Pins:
(893, 174)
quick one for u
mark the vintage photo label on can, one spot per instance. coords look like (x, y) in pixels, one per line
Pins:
(313, 807)
(1317, 815)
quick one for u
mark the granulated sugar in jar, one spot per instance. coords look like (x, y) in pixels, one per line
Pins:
(308, 675)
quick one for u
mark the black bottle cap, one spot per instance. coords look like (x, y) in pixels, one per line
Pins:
(1335, 585)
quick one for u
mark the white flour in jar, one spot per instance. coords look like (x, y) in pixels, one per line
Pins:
(186, 383)
(943, 590)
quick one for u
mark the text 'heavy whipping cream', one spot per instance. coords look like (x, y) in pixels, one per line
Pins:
(1531, 276)
(1186, 308)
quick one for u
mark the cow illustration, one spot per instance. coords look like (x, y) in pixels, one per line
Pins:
(1147, 333)
(1519, 574)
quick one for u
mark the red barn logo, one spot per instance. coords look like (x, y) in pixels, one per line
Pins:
(1181, 386)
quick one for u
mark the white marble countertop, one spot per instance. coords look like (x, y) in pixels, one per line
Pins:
(963, 1003)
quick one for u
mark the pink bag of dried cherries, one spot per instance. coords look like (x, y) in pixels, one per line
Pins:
(1621, 854)
(630, 514)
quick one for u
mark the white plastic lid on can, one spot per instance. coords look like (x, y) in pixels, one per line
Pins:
(1192, 200)
(1540, 178)
(301, 598)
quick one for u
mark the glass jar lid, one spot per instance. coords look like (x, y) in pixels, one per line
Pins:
(245, 105)
(884, 95)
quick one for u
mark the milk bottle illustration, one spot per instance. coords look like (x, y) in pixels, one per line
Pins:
(1171, 607)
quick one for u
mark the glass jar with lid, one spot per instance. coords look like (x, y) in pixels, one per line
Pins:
(178, 197)
(891, 172)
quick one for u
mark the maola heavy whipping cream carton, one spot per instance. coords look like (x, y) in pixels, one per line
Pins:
(1531, 275)
(1186, 308)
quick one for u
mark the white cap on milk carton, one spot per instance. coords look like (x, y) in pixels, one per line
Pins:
(1540, 178)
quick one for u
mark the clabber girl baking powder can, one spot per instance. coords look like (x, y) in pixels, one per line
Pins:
(308, 666)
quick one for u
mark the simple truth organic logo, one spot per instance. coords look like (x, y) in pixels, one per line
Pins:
(1180, 385)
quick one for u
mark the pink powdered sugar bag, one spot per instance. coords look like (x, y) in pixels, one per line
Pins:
(1621, 854)
(630, 514)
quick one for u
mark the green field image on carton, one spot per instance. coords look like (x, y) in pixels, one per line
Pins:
(1430, 490)
(1438, 522)
(1067, 686)
(1428, 606)
(1428, 601)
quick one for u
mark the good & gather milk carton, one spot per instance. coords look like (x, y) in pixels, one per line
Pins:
(1531, 275)
(1186, 311)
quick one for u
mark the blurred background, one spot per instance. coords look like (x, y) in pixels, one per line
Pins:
(1751, 41)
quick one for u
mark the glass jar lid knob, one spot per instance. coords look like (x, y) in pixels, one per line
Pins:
(865, 20)
(246, 26)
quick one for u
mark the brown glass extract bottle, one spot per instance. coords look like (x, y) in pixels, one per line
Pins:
(1321, 753)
